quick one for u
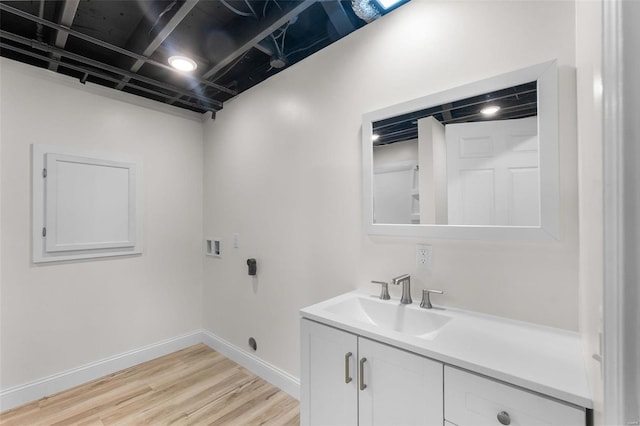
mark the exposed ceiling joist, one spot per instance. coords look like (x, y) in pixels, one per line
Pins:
(88, 71)
(106, 67)
(265, 47)
(67, 13)
(124, 45)
(164, 32)
(251, 39)
(104, 44)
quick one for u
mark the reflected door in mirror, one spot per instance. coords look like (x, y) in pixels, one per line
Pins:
(396, 194)
(493, 174)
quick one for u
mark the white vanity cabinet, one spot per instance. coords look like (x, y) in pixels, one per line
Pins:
(475, 400)
(368, 361)
(351, 380)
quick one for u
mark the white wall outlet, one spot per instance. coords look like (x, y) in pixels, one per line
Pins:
(424, 256)
(236, 240)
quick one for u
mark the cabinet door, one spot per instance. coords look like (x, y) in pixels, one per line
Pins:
(329, 395)
(401, 388)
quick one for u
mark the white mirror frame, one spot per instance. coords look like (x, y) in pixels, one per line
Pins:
(546, 74)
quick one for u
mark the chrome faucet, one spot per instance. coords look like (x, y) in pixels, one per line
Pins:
(426, 300)
(406, 288)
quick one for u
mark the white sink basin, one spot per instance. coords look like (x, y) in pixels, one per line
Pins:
(389, 315)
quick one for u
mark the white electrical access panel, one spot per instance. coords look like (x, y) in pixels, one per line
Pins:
(85, 204)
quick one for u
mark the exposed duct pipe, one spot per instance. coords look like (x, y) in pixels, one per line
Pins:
(365, 10)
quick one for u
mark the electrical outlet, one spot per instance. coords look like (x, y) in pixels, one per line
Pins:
(424, 255)
(236, 240)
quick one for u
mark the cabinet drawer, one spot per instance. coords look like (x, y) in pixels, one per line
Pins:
(471, 399)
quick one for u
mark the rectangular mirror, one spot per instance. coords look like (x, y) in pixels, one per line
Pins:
(478, 161)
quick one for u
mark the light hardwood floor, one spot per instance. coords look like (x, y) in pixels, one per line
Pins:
(194, 386)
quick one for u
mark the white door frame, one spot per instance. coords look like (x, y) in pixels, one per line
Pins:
(621, 213)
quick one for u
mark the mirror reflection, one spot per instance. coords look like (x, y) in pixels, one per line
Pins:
(473, 161)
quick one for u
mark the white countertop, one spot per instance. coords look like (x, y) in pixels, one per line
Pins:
(542, 359)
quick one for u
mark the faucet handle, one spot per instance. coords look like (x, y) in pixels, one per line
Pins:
(384, 289)
(426, 300)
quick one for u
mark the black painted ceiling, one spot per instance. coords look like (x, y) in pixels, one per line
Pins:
(125, 45)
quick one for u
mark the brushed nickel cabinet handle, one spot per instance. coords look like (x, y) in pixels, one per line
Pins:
(362, 385)
(347, 379)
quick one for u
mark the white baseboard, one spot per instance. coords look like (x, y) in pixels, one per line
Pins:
(268, 372)
(23, 394)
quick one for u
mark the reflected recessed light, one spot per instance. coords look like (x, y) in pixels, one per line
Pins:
(182, 63)
(375, 137)
(490, 110)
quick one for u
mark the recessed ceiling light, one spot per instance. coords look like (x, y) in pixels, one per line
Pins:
(182, 63)
(490, 110)
(386, 4)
